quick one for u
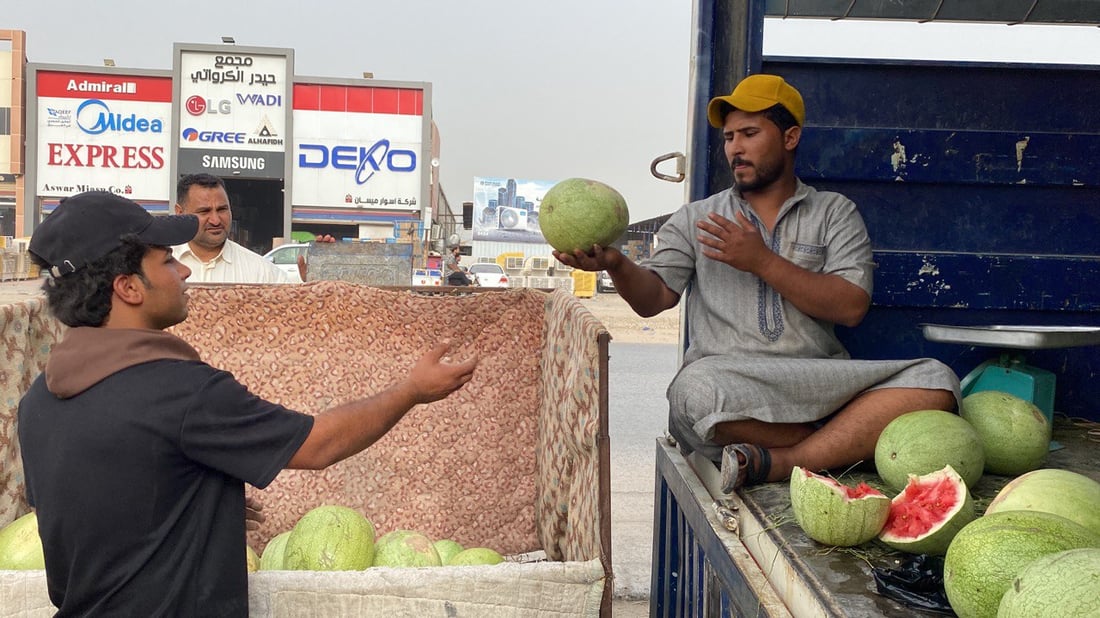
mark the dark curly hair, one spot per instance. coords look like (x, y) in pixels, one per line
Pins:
(83, 298)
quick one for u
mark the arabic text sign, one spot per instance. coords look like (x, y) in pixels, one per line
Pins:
(233, 101)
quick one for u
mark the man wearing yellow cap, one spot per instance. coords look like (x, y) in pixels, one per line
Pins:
(766, 269)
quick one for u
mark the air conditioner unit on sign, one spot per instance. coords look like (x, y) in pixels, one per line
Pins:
(513, 218)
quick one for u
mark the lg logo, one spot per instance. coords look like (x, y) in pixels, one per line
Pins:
(197, 106)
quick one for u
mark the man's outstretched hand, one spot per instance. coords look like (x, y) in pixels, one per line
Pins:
(436, 375)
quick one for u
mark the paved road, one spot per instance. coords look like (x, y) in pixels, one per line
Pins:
(639, 373)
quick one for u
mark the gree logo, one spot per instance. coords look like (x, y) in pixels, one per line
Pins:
(212, 137)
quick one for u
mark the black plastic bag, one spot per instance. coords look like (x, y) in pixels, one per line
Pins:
(917, 583)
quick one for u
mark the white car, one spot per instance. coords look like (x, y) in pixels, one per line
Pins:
(286, 257)
(489, 275)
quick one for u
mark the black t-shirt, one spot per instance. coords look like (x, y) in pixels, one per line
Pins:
(139, 487)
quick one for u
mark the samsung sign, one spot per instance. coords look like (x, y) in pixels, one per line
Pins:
(364, 161)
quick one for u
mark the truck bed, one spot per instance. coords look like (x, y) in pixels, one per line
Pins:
(777, 570)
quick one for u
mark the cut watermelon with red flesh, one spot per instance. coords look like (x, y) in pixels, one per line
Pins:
(835, 514)
(928, 513)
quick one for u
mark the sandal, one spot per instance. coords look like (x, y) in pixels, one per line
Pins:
(751, 468)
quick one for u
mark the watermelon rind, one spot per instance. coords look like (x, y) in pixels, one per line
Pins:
(274, 552)
(1014, 432)
(925, 441)
(942, 526)
(405, 548)
(989, 552)
(1061, 585)
(827, 515)
(476, 556)
(330, 538)
(447, 549)
(1051, 490)
(21, 546)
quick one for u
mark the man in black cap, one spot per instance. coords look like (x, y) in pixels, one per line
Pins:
(135, 452)
(766, 269)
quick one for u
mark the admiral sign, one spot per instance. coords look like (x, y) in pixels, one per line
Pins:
(358, 147)
(232, 116)
(99, 131)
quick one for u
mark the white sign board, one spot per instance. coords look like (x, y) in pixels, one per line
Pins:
(358, 147)
(103, 132)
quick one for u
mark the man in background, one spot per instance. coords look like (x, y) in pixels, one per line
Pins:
(210, 255)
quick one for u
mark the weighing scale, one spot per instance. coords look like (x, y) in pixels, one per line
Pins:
(1008, 372)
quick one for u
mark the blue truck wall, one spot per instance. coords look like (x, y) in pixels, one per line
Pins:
(980, 187)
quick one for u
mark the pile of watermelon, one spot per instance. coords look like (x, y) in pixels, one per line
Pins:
(1034, 552)
(327, 538)
(339, 538)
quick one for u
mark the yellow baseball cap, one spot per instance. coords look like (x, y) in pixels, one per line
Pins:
(757, 93)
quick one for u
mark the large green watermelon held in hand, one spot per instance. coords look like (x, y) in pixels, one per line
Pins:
(330, 538)
(989, 552)
(925, 441)
(928, 513)
(20, 545)
(834, 514)
(1061, 492)
(577, 213)
(1061, 585)
(1015, 435)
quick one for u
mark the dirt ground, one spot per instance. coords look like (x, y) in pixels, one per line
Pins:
(626, 327)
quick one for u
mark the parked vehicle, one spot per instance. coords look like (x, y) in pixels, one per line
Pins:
(932, 183)
(427, 276)
(286, 258)
(604, 282)
(489, 275)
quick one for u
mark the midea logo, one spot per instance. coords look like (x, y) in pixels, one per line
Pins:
(94, 117)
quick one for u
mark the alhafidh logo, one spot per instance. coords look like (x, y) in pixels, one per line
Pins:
(266, 133)
(56, 117)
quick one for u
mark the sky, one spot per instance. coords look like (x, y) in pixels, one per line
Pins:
(540, 91)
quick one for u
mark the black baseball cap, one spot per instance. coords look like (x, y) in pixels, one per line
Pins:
(87, 226)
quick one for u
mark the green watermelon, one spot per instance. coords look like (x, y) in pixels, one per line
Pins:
(577, 213)
(274, 552)
(928, 513)
(446, 548)
(1069, 494)
(835, 514)
(1061, 585)
(20, 545)
(989, 552)
(1015, 435)
(330, 538)
(925, 441)
(475, 556)
(406, 548)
